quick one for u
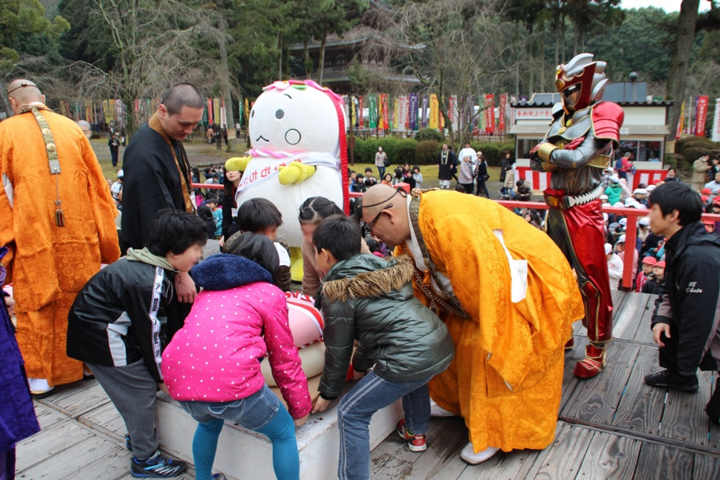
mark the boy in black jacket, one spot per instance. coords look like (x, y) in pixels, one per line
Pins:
(114, 326)
(686, 322)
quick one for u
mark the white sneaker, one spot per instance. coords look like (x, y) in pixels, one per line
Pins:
(437, 411)
(468, 454)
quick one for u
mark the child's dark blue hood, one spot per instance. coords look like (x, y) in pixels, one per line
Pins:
(224, 271)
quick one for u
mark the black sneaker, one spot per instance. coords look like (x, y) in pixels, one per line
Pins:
(668, 379)
(157, 466)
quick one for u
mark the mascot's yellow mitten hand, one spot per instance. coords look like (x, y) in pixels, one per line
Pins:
(237, 164)
(296, 172)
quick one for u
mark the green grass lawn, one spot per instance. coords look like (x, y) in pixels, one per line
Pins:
(201, 153)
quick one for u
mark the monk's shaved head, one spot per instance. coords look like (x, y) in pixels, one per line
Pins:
(377, 193)
(384, 210)
(24, 92)
(182, 95)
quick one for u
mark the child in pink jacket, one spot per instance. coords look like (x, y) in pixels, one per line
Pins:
(212, 365)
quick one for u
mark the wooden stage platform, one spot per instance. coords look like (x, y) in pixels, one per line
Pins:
(612, 426)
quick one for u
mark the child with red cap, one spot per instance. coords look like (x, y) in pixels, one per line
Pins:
(656, 282)
(645, 273)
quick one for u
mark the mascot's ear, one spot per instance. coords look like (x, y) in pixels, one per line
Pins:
(237, 164)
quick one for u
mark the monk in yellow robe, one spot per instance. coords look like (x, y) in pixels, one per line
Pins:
(508, 297)
(59, 228)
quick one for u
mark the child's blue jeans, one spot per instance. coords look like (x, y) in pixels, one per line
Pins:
(356, 409)
(261, 412)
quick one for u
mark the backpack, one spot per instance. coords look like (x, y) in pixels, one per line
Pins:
(618, 164)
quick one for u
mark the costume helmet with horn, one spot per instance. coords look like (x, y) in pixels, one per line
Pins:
(581, 75)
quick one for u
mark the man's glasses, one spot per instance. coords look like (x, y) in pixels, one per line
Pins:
(377, 217)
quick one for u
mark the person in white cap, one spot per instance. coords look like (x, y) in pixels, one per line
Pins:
(621, 248)
(643, 228)
(614, 190)
(604, 199)
(640, 194)
(615, 267)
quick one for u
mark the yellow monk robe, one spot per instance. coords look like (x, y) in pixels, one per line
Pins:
(506, 379)
(47, 264)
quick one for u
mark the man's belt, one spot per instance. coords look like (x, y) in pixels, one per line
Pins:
(564, 202)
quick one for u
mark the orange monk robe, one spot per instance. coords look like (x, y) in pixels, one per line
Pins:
(506, 379)
(50, 264)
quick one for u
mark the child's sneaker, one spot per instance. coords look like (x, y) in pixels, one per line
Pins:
(157, 466)
(416, 443)
(128, 442)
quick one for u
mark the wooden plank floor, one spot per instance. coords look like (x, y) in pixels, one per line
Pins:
(612, 426)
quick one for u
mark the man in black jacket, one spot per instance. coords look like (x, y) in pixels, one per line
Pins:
(686, 322)
(115, 327)
(158, 176)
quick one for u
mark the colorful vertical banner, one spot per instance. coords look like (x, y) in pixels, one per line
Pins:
(247, 111)
(424, 112)
(353, 111)
(108, 111)
(402, 119)
(396, 114)
(361, 113)
(386, 111)
(216, 111)
(223, 114)
(434, 122)
(381, 112)
(701, 115)
(372, 111)
(502, 113)
(453, 112)
(716, 124)
(681, 121)
(490, 113)
(240, 113)
(413, 112)
(211, 118)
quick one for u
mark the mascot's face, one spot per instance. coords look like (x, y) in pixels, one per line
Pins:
(294, 120)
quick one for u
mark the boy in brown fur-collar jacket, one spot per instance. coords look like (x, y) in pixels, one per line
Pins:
(368, 299)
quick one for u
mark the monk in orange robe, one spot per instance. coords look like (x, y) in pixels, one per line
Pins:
(508, 297)
(59, 228)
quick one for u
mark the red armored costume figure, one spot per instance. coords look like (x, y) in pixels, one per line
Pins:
(575, 151)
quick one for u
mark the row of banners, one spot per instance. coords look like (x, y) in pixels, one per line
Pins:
(413, 112)
(113, 111)
(380, 111)
(694, 121)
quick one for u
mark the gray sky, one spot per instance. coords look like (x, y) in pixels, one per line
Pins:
(667, 5)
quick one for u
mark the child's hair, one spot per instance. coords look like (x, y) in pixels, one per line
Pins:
(257, 215)
(399, 172)
(315, 209)
(416, 167)
(175, 231)
(259, 249)
(339, 235)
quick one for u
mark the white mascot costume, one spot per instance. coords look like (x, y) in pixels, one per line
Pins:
(297, 131)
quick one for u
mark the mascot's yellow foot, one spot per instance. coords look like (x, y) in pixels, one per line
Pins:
(237, 164)
(296, 172)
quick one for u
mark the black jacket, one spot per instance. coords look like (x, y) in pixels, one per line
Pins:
(152, 183)
(113, 319)
(654, 287)
(692, 304)
(368, 299)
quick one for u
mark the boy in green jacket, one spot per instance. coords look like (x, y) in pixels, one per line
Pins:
(368, 299)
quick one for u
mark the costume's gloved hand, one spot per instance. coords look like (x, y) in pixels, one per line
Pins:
(237, 164)
(296, 172)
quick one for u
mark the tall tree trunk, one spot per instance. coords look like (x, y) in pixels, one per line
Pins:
(576, 34)
(279, 56)
(321, 67)
(680, 61)
(542, 62)
(225, 77)
(308, 61)
(6, 104)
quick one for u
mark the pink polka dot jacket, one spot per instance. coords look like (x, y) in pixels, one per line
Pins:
(237, 319)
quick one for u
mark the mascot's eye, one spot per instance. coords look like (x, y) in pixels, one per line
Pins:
(279, 114)
(252, 113)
